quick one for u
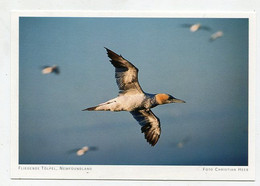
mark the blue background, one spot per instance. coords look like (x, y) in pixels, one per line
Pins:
(212, 77)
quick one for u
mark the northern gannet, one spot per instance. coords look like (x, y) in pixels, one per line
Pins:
(196, 27)
(133, 99)
(49, 69)
(183, 142)
(216, 35)
(83, 150)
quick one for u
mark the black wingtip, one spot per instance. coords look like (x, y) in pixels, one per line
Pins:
(108, 50)
(56, 70)
(112, 55)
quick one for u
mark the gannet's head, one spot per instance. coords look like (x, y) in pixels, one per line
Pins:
(166, 98)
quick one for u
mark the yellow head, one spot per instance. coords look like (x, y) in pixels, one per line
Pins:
(166, 98)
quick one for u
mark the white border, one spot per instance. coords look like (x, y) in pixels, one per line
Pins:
(130, 172)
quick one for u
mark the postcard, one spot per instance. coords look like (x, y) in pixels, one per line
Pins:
(133, 95)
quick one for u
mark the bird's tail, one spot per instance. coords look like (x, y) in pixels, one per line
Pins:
(90, 108)
(107, 106)
(101, 107)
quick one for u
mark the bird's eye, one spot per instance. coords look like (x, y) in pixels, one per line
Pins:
(171, 97)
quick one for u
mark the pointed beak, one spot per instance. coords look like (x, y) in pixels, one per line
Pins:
(175, 100)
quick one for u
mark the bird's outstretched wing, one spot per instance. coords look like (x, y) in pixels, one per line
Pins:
(43, 67)
(186, 25)
(150, 125)
(205, 28)
(126, 74)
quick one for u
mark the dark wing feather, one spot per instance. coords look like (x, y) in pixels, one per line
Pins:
(93, 148)
(73, 150)
(205, 28)
(42, 67)
(150, 125)
(56, 70)
(186, 25)
(126, 74)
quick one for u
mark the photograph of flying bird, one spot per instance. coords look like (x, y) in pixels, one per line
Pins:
(133, 99)
(216, 35)
(50, 69)
(83, 150)
(196, 27)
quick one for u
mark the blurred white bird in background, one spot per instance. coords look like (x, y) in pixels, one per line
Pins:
(83, 150)
(196, 27)
(216, 35)
(183, 142)
(50, 69)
